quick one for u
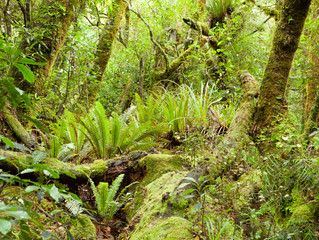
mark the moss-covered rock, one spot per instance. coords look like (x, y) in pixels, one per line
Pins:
(172, 228)
(84, 228)
(153, 207)
(158, 164)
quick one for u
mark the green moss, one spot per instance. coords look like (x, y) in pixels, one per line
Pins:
(152, 205)
(246, 185)
(166, 228)
(158, 164)
(178, 203)
(84, 228)
(300, 215)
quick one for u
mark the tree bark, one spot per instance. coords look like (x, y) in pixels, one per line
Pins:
(311, 108)
(53, 29)
(272, 103)
(104, 49)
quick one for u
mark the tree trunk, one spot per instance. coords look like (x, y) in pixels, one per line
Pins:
(311, 114)
(272, 103)
(52, 29)
(104, 49)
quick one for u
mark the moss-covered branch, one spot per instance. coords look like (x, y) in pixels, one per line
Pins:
(17, 127)
(174, 65)
(104, 49)
(99, 170)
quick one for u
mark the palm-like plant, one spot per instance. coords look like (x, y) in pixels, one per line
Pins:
(201, 102)
(147, 111)
(75, 133)
(218, 8)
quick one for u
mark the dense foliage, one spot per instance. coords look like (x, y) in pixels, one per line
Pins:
(170, 85)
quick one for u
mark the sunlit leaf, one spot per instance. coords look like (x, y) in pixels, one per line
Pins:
(27, 74)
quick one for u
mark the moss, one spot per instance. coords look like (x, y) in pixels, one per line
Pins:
(178, 203)
(97, 168)
(300, 215)
(84, 228)
(246, 185)
(152, 205)
(166, 228)
(158, 164)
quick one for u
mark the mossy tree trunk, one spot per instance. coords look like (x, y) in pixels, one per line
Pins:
(272, 103)
(312, 101)
(104, 48)
(50, 24)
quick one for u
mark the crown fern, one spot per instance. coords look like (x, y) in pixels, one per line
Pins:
(104, 196)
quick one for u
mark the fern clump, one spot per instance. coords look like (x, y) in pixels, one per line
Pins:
(105, 197)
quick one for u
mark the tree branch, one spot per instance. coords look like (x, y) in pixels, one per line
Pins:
(151, 33)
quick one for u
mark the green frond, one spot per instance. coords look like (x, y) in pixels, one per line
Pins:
(102, 202)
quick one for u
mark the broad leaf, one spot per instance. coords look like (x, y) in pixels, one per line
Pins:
(5, 226)
(30, 61)
(27, 74)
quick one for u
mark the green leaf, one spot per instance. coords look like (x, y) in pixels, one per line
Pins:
(31, 189)
(38, 156)
(5, 226)
(37, 123)
(198, 206)
(43, 168)
(27, 74)
(54, 193)
(30, 61)
(7, 141)
(18, 214)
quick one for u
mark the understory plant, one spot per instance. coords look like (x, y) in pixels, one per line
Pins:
(105, 197)
(114, 135)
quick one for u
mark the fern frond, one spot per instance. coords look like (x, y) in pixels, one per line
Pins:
(102, 203)
(115, 187)
(74, 207)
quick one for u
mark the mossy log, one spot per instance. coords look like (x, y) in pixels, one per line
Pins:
(99, 170)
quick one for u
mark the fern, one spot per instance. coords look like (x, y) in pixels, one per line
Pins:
(98, 131)
(75, 133)
(110, 136)
(74, 207)
(104, 195)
